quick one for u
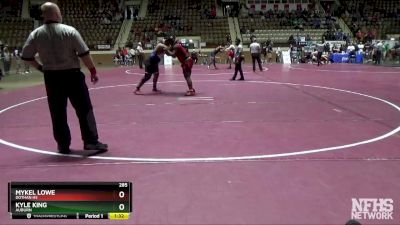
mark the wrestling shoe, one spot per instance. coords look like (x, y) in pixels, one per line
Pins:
(137, 92)
(190, 93)
(157, 91)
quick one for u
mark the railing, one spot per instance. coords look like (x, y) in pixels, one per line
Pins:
(344, 26)
(122, 37)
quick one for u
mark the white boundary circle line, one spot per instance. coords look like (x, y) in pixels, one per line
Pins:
(173, 74)
(343, 71)
(131, 72)
(217, 159)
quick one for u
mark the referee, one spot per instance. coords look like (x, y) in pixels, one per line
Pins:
(255, 50)
(59, 47)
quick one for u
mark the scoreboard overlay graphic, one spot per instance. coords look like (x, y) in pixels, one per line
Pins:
(70, 200)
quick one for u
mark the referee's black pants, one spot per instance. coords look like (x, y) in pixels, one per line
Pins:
(62, 85)
(256, 57)
(238, 68)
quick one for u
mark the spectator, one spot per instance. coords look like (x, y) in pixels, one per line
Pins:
(378, 52)
(6, 58)
(124, 54)
(132, 54)
(264, 51)
(17, 57)
(320, 49)
(269, 51)
(140, 55)
(278, 55)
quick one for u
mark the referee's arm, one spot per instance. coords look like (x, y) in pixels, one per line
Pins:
(87, 60)
(28, 53)
(33, 62)
(82, 50)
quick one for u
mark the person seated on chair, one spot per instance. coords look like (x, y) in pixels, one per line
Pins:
(352, 56)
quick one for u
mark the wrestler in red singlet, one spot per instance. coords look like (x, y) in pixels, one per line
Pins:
(180, 52)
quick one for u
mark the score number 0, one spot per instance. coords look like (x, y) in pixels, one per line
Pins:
(121, 194)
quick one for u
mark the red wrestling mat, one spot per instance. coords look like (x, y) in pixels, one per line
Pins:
(295, 144)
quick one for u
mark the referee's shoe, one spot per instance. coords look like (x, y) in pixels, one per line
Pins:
(96, 146)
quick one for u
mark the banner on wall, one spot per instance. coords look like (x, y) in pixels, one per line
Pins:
(286, 57)
(103, 47)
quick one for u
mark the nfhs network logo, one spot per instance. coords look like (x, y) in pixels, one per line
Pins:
(372, 208)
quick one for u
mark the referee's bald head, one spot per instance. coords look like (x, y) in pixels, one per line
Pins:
(51, 12)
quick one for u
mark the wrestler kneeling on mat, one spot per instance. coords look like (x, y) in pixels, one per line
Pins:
(151, 68)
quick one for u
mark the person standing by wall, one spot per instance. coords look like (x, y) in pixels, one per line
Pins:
(320, 49)
(269, 51)
(132, 53)
(140, 55)
(1, 53)
(6, 58)
(378, 52)
(18, 63)
(124, 53)
(264, 52)
(59, 47)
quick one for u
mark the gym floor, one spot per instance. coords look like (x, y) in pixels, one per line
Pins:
(293, 144)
